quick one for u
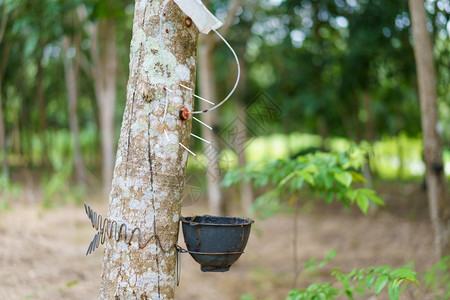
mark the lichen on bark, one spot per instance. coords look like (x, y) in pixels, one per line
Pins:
(150, 164)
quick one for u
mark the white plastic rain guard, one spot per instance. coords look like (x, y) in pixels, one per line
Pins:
(202, 17)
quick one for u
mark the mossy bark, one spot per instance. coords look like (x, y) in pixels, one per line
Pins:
(150, 164)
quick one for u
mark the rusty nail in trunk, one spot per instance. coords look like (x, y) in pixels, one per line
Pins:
(188, 21)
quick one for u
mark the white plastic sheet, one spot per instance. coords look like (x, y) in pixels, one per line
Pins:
(200, 15)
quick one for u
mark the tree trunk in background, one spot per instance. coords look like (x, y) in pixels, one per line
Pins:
(5, 168)
(216, 204)
(104, 75)
(436, 185)
(241, 133)
(3, 153)
(71, 74)
(369, 136)
(41, 107)
(150, 166)
(241, 138)
(401, 161)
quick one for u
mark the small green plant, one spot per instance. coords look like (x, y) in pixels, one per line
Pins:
(356, 282)
(437, 279)
(326, 175)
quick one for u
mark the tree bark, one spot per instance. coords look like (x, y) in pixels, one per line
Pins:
(436, 185)
(150, 165)
(70, 73)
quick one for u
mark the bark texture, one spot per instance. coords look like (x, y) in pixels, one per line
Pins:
(150, 164)
(439, 203)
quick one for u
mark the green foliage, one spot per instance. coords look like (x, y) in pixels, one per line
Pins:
(58, 190)
(437, 279)
(312, 266)
(247, 297)
(354, 56)
(330, 176)
(356, 282)
(8, 190)
(57, 186)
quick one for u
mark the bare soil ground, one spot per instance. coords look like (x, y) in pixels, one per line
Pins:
(42, 253)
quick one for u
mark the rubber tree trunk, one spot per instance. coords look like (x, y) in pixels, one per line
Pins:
(42, 115)
(150, 165)
(368, 136)
(3, 153)
(70, 72)
(216, 204)
(241, 137)
(104, 73)
(241, 134)
(439, 204)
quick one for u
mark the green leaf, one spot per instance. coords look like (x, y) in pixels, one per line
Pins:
(329, 198)
(405, 274)
(286, 179)
(311, 169)
(344, 178)
(328, 180)
(363, 203)
(349, 294)
(380, 284)
(369, 280)
(357, 177)
(394, 291)
(351, 194)
(382, 269)
(308, 177)
(332, 254)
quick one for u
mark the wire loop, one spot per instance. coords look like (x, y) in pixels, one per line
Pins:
(235, 84)
(108, 229)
